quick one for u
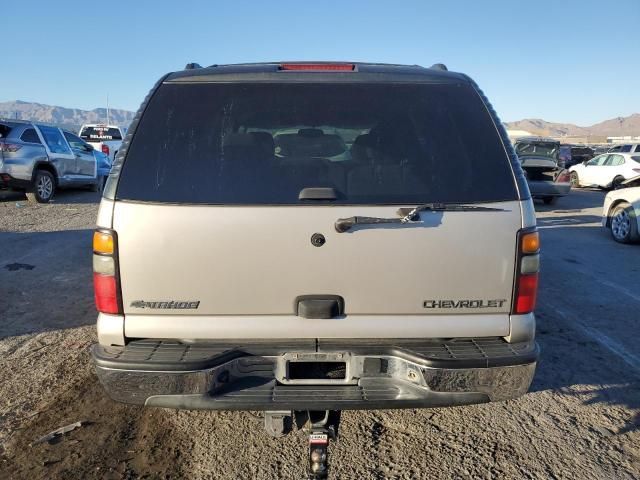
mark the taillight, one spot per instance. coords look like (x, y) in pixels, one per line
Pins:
(318, 66)
(9, 147)
(527, 268)
(105, 149)
(564, 177)
(526, 294)
(106, 286)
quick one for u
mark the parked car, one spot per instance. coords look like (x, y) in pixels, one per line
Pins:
(625, 148)
(229, 277)
(38, 159)
(579, 154)
(605, 171)
(564, 156)
(104, 167)
(621, 211)
(599, 149)
(104, 138)
(546, 177)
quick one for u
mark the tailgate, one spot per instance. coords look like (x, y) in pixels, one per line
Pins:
(538, 164)
(250, 264)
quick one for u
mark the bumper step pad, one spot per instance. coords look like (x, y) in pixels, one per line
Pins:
(177, 356)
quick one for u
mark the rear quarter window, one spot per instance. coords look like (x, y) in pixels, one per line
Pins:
(263, 143)
(30, 136)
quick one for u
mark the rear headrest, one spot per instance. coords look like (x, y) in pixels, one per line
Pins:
(309, 144)
(237, 140)
(364, 140)
(374, 148)
(359, 148)
(310, 132)
(265, 141)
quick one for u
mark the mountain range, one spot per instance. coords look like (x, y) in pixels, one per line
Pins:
(73, 118)
(618, 126)
(68, 118)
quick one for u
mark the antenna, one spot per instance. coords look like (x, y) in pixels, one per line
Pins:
(108, 120)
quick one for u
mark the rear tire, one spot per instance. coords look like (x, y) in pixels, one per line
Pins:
(549, 200)
(615, 183)
(624, 224)
(575, 180)
(44, 186)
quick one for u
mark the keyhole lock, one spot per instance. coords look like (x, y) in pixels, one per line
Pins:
(318, 240)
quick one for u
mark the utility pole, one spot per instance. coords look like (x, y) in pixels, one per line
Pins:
(108, 120)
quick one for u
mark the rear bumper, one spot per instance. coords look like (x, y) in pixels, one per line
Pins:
(549, 189)
(381, 374)
(7, 181)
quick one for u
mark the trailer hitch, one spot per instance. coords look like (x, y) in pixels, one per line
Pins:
(321, 427)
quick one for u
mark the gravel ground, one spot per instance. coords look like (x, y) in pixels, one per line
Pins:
(580, 420)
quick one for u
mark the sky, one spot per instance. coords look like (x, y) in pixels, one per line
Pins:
(564, 60)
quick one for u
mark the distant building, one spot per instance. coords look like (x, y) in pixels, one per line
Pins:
(576, 139)
(624, 139)
(515, 134)
(582, 139)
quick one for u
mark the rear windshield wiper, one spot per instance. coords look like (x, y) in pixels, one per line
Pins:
(410, 214)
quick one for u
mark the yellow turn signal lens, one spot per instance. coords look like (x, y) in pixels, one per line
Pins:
(103, 243)
(530, 242)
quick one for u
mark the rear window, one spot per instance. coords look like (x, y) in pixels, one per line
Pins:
(30, 136)
(98, 134)
(264, 143)
(581, 151)
(4, 130)
(537, 149)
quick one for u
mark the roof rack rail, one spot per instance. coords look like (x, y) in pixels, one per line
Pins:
(439, 66)
(16, 120)
(192, 66)
(35, 122)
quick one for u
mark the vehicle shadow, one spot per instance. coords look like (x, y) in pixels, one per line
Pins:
(587, 316)
(66, 196)
(578, 198)
(587, 376)
(45, 281)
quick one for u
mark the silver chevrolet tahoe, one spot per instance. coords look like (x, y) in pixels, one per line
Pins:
(313, 237)
(38, 159)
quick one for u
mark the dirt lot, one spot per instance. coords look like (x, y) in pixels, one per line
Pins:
(580, 420)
